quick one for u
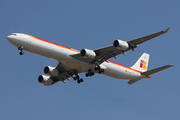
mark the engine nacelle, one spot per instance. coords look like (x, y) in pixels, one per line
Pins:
(52, 71)
(121, 45)
(45, 80)
(88, 53)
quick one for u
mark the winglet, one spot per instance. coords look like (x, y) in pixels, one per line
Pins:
(166, 30)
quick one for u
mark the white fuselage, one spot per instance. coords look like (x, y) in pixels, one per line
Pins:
(62, 54)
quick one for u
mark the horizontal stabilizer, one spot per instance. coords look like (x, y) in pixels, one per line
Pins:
(133, 81)
(150, 72)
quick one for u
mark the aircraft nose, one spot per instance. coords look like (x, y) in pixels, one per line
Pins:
(9, 38)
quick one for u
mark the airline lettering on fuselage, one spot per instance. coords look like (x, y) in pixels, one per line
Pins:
(143, 64)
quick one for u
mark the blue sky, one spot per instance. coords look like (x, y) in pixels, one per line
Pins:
(90, 24)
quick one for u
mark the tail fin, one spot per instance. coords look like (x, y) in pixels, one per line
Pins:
(142, 63)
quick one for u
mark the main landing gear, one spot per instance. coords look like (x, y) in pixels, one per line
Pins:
(90, 73)
(77, 77)
(21, 49)
(98, 68)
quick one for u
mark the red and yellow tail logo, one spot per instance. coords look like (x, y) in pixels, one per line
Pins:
(143, 64)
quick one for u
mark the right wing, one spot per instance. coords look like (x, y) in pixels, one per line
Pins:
(148, 37)
(105, 53)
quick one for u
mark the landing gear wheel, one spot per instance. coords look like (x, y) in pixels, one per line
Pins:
(87, 75)
(74, 78)
(78, 81)
(81, 80)
(97, 68)
(21, 49)
(77, 77)
(21, 53)
(90, 73)
(102, 70)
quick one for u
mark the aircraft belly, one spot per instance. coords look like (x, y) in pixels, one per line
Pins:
(77, 64)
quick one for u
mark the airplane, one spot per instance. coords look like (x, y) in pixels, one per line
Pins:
(71, 62)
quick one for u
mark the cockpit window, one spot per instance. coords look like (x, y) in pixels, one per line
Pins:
(13, 34)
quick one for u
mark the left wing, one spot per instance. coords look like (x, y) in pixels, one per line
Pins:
(64, 73)
(105, 53)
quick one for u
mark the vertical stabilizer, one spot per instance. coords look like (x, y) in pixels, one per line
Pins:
(142, 63)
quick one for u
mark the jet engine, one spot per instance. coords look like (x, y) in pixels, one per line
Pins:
(121, 45)
(52, 71)
(45, 80)
(88, 53)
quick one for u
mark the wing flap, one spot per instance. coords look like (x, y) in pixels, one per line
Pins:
(65, 73)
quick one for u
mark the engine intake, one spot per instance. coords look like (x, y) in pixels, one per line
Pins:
(121, 45)
(45, 80)
(88, 53)
(52, 71)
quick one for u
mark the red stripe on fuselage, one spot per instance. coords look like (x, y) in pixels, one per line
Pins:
(125, 67)
(54, 44)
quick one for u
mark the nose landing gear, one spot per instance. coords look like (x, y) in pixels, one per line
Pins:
(21, 50)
